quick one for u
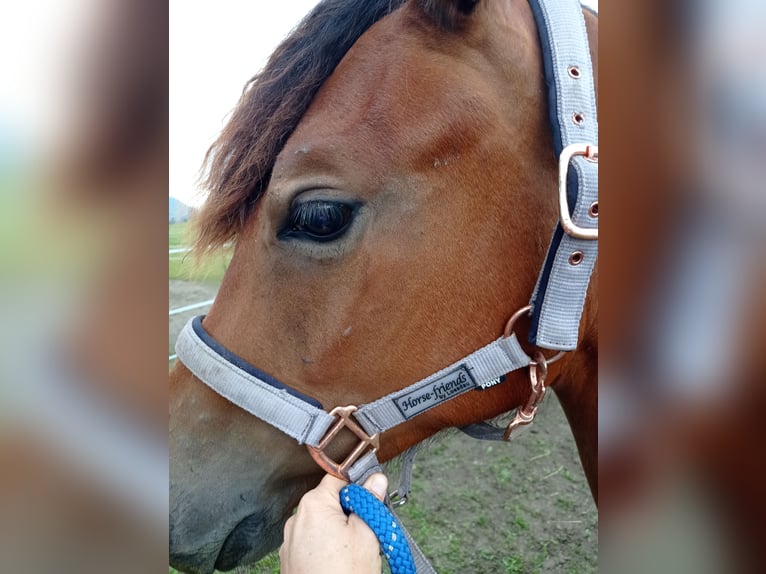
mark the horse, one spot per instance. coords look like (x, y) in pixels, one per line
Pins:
(389, 184)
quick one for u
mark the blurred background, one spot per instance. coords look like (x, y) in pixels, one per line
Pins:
(681, 396)
(89, 147)
(83, 178)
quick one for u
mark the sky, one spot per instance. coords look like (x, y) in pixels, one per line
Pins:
(215, 47)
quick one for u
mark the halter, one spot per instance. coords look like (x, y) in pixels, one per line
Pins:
(555, 307)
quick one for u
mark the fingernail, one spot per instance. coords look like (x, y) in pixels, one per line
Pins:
(378, 485)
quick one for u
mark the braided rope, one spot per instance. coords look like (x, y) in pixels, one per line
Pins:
(393, 543)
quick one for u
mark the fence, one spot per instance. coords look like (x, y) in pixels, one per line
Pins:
(185, 308)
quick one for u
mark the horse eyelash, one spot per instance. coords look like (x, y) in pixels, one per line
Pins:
(304, 212)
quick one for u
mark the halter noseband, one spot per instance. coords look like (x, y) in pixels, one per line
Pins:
(304, 419)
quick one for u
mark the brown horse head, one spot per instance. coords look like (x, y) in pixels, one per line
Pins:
(391, 201)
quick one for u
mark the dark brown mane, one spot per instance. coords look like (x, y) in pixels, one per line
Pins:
(238, 166)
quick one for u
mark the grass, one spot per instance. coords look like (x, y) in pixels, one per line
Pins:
(514, 565)
(566, 473)
(209, 269)
(519, 520)
(267, 565)
(422, 525)
(179, 235)
(185, 267)
(500, 468)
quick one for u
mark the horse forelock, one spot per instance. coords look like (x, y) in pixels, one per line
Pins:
(450, 15)
(238, 165)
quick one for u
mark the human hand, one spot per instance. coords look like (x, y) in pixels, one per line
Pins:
(320, 538)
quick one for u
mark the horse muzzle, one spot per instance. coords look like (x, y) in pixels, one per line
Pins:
(248, 541)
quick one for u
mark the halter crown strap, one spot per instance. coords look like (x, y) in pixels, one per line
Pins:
(558, 299)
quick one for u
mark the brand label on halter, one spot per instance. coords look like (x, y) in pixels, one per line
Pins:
(436, 392)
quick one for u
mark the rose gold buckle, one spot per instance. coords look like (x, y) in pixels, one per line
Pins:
(538, 370)
(365, 441)
(591, 154)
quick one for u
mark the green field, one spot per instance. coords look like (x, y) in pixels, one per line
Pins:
(268, 565)
(186, 267)
(179, 235)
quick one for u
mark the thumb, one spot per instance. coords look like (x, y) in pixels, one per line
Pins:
(378, 485)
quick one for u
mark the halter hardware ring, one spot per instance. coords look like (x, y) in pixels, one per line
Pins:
(538, 370)
(590, 152)
(509, 331)
(340, 470)
(396, 501)
(540, 362)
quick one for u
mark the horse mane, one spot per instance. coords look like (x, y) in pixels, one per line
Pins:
(237, 167)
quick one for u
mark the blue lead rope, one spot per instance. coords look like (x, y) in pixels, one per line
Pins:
(393, 543)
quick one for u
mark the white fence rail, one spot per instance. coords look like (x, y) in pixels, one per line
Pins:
(186, 308)
(183, 309)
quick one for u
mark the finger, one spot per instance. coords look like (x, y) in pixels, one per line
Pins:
(289, 525)
(377, 484)
(324, 495)
(286, 539)
(329, 489)
(331, 484)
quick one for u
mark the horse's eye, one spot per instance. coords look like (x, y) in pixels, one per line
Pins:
(318, 220)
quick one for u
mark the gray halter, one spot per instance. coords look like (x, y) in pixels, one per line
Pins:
(303, 418)
(556, 303)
